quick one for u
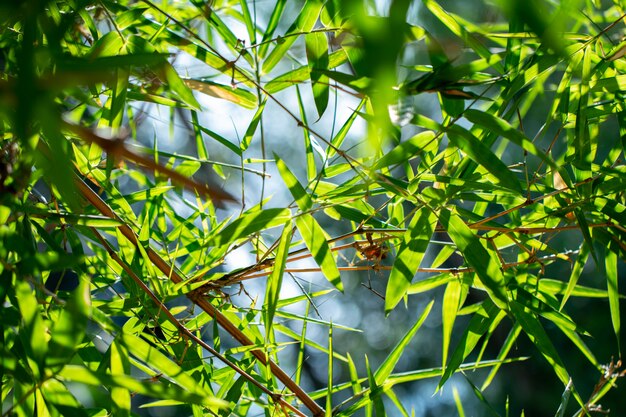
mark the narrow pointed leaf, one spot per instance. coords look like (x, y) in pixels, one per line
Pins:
(504, 129)
(385, 369)
(275, 279)
(317, 56)
(481, 154)
(577, 270)
(533, 328)
(408, 150)
(610, 262)
(69, 329)
(484, 262)
(239, 96)
(303, 199)
(248, 224)
(487, 314)
(251, 130)
(410, 255)
(449, 309)
(304, 22)
(315, 239)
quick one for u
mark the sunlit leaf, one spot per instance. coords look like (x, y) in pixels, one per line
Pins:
(315, 239)
(384, 371)
(410, 254)
(317, 56)
(484, 261)
(250, 223)
(304, 22)
(275, 279)
(239, 96)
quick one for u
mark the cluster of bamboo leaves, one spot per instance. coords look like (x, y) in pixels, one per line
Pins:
(113, 271)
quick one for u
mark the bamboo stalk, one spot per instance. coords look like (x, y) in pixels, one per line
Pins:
(198, 299)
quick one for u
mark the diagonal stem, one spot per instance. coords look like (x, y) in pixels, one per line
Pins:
(198, 299)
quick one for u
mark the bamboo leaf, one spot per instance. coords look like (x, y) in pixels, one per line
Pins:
(271, 26)
(310, 143)
(533, 328)
(274, 281)
(375, 391)
(577, 270)
(119, 365)
(80, 374)
(303, 23)
(422, 142)
(239, 96)
(33, 332)
(610, 262)
(384, 370)
(449, 309)
(410, 255)
(179, 86)
(303, 199)
(484, 262)
(504, 129)
(315, 239)
(486, 316)
(317, 56)
(69, 329)
(161, 363)
(254, 123)
(329, 396)
(482, 155)
(249, 223)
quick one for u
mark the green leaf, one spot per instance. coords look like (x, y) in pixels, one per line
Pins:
(33, 332)
(179, 87)
(484, 262)
(302, 74)
(310, 142)
(384, 370)
(504, 351)
(481, 154)
(610, 262)
(410, 255)
(329, 397)
(82, 375)
(254, 123)
(375, 391)
(120, 365)
(451, 22)
(69, 328)
(449, 308)
(315, 239)
(553, 286)
(249, 223)
(303, 199)
(317, 56)
(304, 23)
(504, 129)
(533, 328)
(486, 316)
(337, 141)
(407, 150)
(239, 96)
(154, 358)
(577, 270)
(275, 279)
(271, 26)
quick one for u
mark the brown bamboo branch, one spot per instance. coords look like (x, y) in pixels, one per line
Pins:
(198, 299)
(184, 330)
(116, 147)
